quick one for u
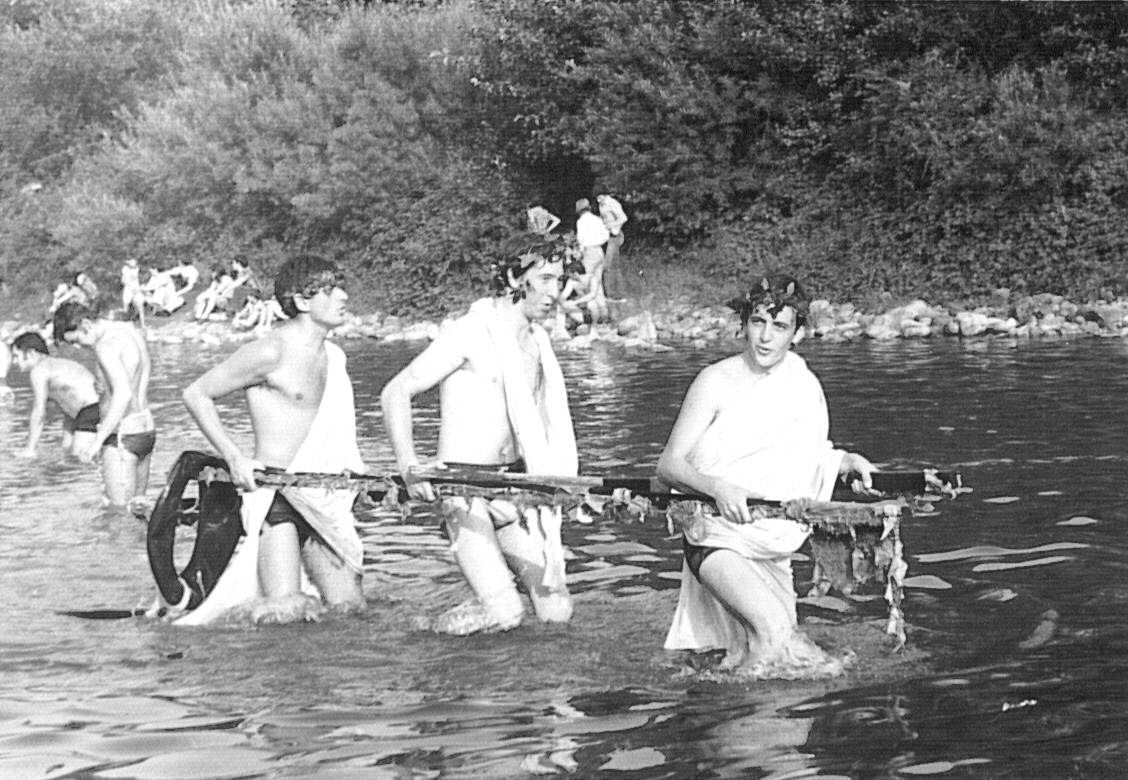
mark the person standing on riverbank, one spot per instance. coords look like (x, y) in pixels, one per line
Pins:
(132, 296)
(504, 407)
(66, 382)
(753, 425)
(591, 235)
(126, 433)
(300, 401)
(540, 220)
(613, 216)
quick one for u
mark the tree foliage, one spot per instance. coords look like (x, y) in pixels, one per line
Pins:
(915, 148)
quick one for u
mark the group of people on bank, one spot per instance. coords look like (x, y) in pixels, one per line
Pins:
(593, 263)
(753, 425)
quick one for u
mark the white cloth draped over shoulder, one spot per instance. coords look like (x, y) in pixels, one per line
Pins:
(542, 426)
(773, 441)
(329, 446)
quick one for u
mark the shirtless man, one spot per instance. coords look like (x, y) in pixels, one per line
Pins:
(284, 376)
(66, 382)
(753, 425)
(503, 407)
(126, 433)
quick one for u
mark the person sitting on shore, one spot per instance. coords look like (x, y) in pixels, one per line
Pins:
(214, 300)
(81, 290)
(188, 275)
(257, 314)
(503, 407)
(126, 433)
(300, 401)
(161, 294)
(579, 303)
(67, 383)
(753, 425)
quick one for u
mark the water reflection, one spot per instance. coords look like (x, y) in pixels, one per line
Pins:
(993, 684)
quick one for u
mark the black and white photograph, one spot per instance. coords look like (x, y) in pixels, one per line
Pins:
(563, 388)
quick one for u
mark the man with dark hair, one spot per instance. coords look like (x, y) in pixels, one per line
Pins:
(300, 402)
(753, 425)
(126, 433)
(504, 407)
(66, 382)
(303, 276)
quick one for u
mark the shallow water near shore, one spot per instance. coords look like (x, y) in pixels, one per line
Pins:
(1016, 602)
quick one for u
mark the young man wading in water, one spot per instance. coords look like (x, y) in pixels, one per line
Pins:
(753, 425)
(503, 408)
(66, 382)
(126, 433)
(300, 401)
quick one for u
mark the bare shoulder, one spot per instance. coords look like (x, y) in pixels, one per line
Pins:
(266, 351)
(722, 372)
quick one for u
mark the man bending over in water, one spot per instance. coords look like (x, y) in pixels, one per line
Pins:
(753, 425)
(66, 382)
(126, 433)
(503, 408)
(300, 401)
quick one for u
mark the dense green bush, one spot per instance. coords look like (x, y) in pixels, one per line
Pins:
(908, 148)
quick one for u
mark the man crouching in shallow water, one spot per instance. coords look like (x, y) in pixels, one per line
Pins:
(503, 407)
(754, 425)
(301, 404)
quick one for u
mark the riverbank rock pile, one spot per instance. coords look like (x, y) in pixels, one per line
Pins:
(654, 327)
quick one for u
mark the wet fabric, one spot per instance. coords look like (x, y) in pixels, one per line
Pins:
(140, 445)
(782, 455)
(86, 420)
(330, 446)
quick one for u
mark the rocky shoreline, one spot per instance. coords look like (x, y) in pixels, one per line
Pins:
(1042, 316)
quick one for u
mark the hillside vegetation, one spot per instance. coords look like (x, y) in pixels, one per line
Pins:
(941, 150)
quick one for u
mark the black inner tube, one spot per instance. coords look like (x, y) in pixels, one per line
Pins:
(215, 513)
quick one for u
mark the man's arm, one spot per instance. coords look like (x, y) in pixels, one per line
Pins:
(38, 381)
(698, 410)
(442, 358)
(249, 366)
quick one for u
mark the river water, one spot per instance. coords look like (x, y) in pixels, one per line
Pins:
(1017, 604)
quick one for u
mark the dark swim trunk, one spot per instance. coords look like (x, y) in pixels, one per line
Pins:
(695, 555)
(86, 420)
(140, 444)
(282, 511)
